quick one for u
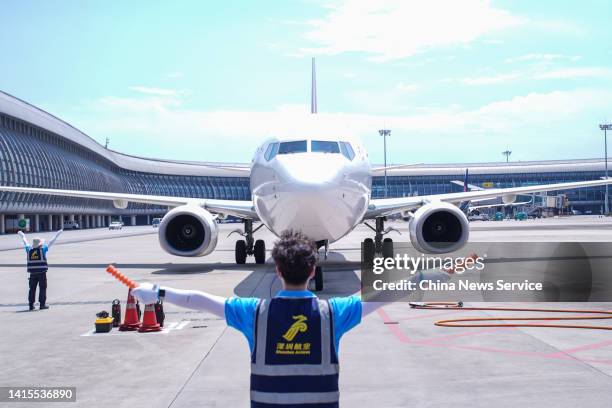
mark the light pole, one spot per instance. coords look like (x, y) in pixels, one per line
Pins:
(605, 128)
(384, 133)
(507, 153)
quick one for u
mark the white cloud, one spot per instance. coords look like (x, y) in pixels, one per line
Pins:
(155, 91)
(161, 127)
(543, 57)
(393, 29)
(406, 88)
(489, 80)
(535, 73)
(575, 73)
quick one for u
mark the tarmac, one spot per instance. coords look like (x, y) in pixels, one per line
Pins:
(395, 358)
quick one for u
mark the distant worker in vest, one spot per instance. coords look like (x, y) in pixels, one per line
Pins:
(37, 267)
(293, 337)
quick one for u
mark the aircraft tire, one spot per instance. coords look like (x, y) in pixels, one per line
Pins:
(241, 252)
(368, 252)
(387, 248)
(260, 251)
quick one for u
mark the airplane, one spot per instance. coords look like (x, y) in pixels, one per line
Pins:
(467, 207)
(318, 183)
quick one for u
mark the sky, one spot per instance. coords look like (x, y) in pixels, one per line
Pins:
(455, 81)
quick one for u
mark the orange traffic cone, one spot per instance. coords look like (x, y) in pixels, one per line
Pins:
(149, 320)
(131, 321)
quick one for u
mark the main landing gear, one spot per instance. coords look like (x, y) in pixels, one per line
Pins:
(249, 246)
(378, 245)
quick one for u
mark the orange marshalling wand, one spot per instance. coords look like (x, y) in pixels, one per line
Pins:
(121, 277)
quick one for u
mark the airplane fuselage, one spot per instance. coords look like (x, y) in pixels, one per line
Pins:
(318, 186)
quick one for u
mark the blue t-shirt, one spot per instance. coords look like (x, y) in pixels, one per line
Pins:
(240, 313)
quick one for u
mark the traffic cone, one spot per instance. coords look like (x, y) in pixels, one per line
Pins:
(131, 321)
(149, 321)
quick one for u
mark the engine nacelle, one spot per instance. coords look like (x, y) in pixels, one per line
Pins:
(120, 204)
(439, 228)
(188, 230)
(508, 198)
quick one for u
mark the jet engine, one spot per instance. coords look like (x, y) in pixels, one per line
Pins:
(508, 198)
(439, 228)
(188, 230)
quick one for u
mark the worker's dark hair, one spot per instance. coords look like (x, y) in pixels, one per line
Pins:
(295, 255)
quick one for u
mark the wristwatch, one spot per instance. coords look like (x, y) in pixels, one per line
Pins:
(161, 293)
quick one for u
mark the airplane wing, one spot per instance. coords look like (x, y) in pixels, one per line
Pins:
(394, 167)
(470, 186)
(238, 208)
(387, 206)
(477, 207)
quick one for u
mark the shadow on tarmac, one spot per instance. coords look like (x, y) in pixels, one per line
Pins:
(339, 275)
(165, 268)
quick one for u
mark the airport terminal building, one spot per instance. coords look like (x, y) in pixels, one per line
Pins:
(38, 149)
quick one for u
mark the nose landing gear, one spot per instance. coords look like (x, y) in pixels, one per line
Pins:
(318, 278)
(248, 246)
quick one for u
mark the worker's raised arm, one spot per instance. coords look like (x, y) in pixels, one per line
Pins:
(57, 234)
(23, 239)
(148, 293)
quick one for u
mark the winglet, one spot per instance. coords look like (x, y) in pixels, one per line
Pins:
(313, 90)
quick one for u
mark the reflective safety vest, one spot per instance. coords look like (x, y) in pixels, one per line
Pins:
(294, 360)
(37, 260)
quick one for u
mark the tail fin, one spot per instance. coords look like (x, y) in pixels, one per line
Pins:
(313, 90)
(465, 205)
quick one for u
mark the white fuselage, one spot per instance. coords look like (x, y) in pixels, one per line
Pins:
(322, 194)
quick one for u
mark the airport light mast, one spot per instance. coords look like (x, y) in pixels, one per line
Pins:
(384, 133)
(605, 128)
(507, 153)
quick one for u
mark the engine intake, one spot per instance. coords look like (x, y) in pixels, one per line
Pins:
(188, 231)
(439, 228)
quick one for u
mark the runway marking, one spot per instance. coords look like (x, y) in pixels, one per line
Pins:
(466, 334)
(592, 346)
(425, 316)
(558, 355)
(115, 332)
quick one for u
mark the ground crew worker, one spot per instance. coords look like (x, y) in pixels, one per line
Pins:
(37, 268)
(293, 337)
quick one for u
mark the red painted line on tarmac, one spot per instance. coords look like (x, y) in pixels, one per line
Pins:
(394, 328)
(426, 316)
(555, 356)
(397, 332)
(465, 334)
(591, 346)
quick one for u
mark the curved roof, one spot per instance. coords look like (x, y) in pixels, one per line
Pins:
(548, 166)
(26, 112)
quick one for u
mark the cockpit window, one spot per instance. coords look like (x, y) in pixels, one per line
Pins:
(299, 146)
(322, 146)
(347, 150)
(271, 151)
